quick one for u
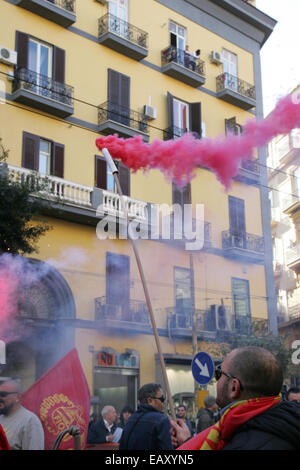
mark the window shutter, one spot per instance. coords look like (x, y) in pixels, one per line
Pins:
(170, 112)
(186, 194)
(58, 72)
(237, 215)
(100, 173)
(30, 151)
(22, 47)
(124, 177)
(57, 160)
(176, 195)
(118, 96)
(195, 118)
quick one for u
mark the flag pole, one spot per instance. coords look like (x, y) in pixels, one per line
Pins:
(115, 173)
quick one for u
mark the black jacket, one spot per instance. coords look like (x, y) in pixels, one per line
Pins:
(98, 431)
(276, 429)
(146, 429)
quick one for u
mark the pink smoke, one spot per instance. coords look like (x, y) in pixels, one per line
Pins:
(178, 159)
(9, 284)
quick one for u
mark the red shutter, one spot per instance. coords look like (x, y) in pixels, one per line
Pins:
(30, 151)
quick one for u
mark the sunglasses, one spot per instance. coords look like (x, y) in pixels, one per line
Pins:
(162, 398)
(4, 394)
(219, 372)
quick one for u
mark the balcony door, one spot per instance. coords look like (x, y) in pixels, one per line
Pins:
(118, 10)
(230, 68)
(40, 61)
(241, 305)
(118, 283)
(183, 291)
(178, 40)
(237, 222)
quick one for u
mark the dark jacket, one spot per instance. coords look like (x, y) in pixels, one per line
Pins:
(98, 431)
(146, 429)
(276, 429)
(205, 419)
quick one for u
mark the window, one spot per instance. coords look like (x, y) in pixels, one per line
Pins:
(230, 68)
(118, 281)
(118, 97)
(182, 290)
(44, 156)
(178, 40)
(297, 182)
(180, 117)
(241, 304)
(183, 117)
(119, 8)
(104, 179)
(40, 58)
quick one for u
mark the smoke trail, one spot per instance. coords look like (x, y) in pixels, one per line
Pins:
(178, 159)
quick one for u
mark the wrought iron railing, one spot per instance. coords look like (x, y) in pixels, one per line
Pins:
(68, 5)
(112, 24)
(246, 241)
(43, 86)
(135, 311)
(184, 58)
(117, 113)
(251, 165)
(231, 82)
(174, 132)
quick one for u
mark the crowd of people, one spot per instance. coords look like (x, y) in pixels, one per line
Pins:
(248, 413)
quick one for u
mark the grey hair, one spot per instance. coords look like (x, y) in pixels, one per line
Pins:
(106, 410)
(209, 401)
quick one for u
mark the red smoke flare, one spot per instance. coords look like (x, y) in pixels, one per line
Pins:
(178, 159)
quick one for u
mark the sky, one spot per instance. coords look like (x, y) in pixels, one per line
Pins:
(280, 55)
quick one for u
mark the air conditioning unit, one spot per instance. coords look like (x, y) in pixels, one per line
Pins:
(7, 56)
(216, 58)
(149, 112)
(218, 317)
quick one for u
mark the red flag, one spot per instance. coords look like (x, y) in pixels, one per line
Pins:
(61, 398)
(4, 445)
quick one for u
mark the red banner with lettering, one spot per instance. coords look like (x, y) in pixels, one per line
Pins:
(61, 399)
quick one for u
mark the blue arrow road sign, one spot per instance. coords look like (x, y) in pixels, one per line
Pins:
(203, 368)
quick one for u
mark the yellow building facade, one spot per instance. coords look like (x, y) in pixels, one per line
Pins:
(76, 70)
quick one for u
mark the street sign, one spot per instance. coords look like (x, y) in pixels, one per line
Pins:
(203, 368)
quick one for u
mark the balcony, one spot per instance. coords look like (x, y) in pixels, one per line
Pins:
(111, 205)
(183, 66)
(288, 150)
(249, 171)
(122, 37)
(133, 317)
(291, 204)
(293, 258)
(114, 118)
(53, 188)
(42, 92)
(208, 326)
(244, 246)
(61, 12)
(235, 91)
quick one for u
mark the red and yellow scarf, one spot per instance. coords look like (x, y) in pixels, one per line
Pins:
(218, 435)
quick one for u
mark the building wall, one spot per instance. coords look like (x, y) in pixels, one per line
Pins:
(73, 248)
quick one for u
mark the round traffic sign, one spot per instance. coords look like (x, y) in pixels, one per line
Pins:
(203, 368)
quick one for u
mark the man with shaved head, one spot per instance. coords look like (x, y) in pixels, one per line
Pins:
(253, 416)
(23, 428)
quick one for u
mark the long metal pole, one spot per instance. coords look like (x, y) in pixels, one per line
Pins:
(144, 283)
